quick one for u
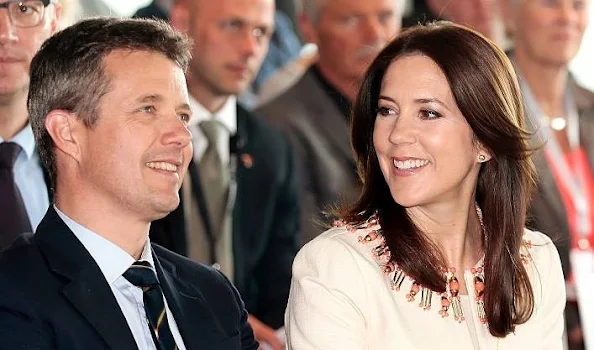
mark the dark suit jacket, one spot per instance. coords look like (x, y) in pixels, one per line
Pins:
(320, 136)
(265, 221)
(152, 10)
(54, 296)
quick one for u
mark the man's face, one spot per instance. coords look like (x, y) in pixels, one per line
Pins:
(350, 33)
(479, 15)
(231, 39)
(548, 31)
(19, 45)
(135, 156)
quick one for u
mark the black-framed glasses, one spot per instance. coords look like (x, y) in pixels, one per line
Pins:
(25, 13)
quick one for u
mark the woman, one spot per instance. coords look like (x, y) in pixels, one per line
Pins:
(547, 36)
(434, 255)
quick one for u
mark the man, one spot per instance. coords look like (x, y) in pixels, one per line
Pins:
(480, 15)
(113, 135)
(240, 208)
(547, 36)
(24, 26)
(315, 111)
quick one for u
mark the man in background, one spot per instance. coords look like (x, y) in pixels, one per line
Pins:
(240, 205)
(314, 113)
(23, 185)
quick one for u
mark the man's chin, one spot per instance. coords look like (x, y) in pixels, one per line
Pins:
(161, 210)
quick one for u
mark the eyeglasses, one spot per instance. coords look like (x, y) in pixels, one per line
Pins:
(25, 13)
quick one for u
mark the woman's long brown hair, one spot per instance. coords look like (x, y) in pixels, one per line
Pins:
(486, 91)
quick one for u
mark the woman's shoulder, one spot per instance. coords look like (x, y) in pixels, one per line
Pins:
(539, 252)
(342, 239)
(537, 245)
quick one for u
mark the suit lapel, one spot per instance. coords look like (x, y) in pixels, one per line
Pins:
(245, 187)
(548, 186)
(197, 328)
(86, 288)
(585, 102)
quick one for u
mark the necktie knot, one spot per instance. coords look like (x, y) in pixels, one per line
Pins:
(210, 128)
(142, 275)
(9, 152)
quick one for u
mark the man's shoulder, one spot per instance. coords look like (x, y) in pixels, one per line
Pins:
(297, 97)
(22, 255)
(261, 131)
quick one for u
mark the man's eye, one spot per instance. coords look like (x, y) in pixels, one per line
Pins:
(148, 109)
(184, 117)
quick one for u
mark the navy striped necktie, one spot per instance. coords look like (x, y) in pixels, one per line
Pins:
(142, 275)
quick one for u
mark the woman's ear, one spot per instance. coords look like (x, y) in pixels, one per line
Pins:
(483, 155)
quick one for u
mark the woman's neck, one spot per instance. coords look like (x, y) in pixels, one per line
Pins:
(547, 83)
(456, 230)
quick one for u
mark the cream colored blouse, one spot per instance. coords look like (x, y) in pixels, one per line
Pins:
(343, 298)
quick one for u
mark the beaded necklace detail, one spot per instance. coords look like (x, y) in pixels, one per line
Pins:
(450, 301)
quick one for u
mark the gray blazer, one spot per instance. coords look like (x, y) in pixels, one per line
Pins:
(548, 212)
(320, 136)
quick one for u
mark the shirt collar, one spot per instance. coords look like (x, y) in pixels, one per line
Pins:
(227, 115)
(112, 260)
(25, 139)
(343, 103)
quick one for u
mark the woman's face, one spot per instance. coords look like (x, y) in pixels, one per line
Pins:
(424, 145)
(549, 31)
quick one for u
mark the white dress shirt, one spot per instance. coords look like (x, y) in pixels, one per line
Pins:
(28, 176)
(113, 262)
(227, 116)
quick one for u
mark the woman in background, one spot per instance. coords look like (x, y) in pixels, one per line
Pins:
(434, 255)
(547, 36)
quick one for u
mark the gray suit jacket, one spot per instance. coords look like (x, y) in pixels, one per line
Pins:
(320, 136)
(548, 212)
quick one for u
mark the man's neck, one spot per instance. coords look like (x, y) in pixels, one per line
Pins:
(547, 82)
(210, 101)
(346, 86)
(114, 225)
(13, 115)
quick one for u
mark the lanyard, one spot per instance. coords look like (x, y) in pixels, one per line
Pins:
(575, 183)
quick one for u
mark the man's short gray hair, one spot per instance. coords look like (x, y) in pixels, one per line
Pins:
(312, 8)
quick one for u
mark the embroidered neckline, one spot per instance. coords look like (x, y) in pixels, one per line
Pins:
(450, 299)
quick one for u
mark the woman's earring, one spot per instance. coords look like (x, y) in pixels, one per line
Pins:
(482, 157)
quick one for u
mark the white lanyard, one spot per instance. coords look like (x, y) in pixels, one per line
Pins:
(576, 184)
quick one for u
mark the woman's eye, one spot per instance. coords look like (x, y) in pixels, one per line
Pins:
(385, 111)
(429, 114)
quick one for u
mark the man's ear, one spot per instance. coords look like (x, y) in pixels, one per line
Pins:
(64, 129)
(55, 20)
(179, 16)
(307, 28)
(508, 14)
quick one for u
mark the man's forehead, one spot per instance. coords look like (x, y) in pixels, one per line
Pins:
(233, 7)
